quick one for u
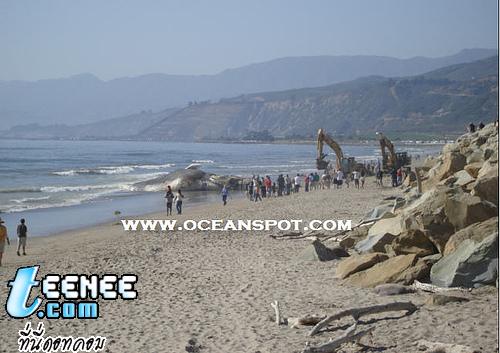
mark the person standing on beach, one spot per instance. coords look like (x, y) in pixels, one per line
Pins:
(225, 193)
(297, 183)
(178, 201)
(170, 199)
(355, 176)
(3, 238)
(362, 179)
(340, 179)
(256, 192)
(22, 234)
(288, 185)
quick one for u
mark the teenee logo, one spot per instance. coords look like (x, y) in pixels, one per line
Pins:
(68, 296)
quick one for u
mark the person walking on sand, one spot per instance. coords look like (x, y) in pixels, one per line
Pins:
(362, 179)
(22, 234)
(225, 194)
(3, 239)
(178, 201)
(170, 199)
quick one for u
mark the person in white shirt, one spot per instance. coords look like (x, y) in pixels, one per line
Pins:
(355, 176)
(340, 179)
(297, 183)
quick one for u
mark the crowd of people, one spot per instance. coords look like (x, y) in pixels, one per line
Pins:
(261, 187)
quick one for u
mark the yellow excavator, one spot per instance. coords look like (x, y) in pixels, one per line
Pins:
(346, 164)
(323, 138)
(392, 159)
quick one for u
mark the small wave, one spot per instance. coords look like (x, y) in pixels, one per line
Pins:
(30, 199)
(21, 189)
(76, 188)
(124, 169)
(206, 161)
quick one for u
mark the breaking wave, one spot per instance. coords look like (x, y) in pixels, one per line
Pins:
(125, 169)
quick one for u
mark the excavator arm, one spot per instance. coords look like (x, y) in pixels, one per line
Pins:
(389, 161)
(323, 138)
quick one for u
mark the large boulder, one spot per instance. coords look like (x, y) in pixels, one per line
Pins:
(381, 211)
(374, 243)
(476, 232)
(462, 178)
(387, 225)
(473, 168)
(353, 237)
(400, 269)
(413, 241)
(471, 265)
(452, 163)
(463, 209)
(317, 251)
(354, 264)
(487, 189)
(476, 156)
(428, 215)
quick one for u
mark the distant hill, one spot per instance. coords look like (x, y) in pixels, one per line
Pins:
(436, 102)
(85, 98)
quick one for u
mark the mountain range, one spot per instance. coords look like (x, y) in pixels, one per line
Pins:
(441, 101)
(85, 98)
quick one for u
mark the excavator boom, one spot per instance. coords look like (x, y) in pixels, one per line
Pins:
(323, 138)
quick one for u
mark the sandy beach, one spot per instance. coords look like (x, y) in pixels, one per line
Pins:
(211, 291)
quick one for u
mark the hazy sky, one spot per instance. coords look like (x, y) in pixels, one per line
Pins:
(49, 39)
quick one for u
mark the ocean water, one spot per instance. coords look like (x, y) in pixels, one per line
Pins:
(61, 185)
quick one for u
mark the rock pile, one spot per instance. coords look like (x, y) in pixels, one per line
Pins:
(446, 232)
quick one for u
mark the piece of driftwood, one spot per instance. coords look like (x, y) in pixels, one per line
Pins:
(306, 320)
(427, 287)
(356, 313)
(276, 306)
(349, 335)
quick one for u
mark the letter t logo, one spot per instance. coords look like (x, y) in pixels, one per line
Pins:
(20, 288)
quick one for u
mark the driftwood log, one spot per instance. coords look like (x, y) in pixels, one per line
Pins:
(427, 287)
(356, 313)
(349, 335)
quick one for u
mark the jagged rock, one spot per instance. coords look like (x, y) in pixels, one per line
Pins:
(400, 269)
(452, 163)
(317, 251)
(413, 241)
(354, 264)
(463, 209)
(381, 211)
(473, 168)
(353, 237)
(475, 156)
(488, 169)
(487, 189)
(471, 265)
(432, 259)
(476, 232)
(443, 299)
(374, 243)
(463, 178)
(387, 225)
(392, 289)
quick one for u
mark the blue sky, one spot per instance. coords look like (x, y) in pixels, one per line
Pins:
(111, 38)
